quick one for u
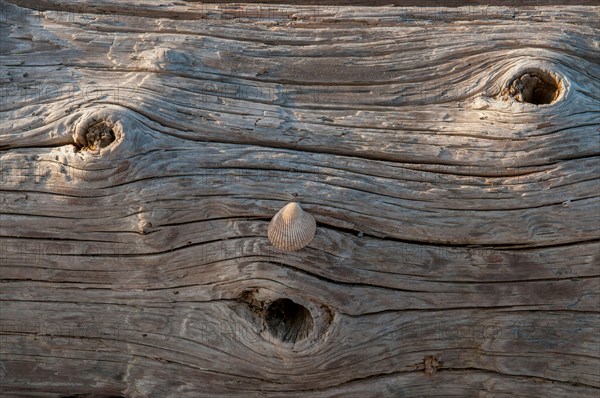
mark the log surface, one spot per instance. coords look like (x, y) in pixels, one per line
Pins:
(457, 247)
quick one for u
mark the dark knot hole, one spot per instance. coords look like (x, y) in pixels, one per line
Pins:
(536, 87)
(99, 135)
(288, 321)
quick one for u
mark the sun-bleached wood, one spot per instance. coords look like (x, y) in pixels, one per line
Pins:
(145, 147)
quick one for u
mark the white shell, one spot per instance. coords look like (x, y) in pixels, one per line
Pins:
(291, 228)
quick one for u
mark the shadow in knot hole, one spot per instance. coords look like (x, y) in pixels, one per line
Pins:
(288, 321)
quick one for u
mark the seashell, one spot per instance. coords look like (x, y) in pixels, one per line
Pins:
(291, 228)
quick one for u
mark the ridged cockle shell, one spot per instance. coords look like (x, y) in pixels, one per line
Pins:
(291, 228)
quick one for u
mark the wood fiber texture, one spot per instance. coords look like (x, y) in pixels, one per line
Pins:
(144, 148)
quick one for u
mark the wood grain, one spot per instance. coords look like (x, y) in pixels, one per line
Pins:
(457, 245)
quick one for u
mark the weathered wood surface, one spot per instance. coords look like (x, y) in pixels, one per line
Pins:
(457, 245)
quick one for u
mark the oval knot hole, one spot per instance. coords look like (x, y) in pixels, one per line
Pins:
(99, 135)
(536, 87)
(288, 321)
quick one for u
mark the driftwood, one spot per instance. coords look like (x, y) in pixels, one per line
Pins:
(448, 155)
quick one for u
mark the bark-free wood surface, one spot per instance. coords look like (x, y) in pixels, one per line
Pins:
(457, 248)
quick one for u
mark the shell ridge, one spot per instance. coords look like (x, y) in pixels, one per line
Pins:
(291, 228)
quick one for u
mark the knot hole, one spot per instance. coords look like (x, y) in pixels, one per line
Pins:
(288, 321)
(535, 86)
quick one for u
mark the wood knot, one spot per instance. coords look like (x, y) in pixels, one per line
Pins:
(97, 130)
(431, 364)
(288, 321)
(285, 320)
(99, 135)
(534, 86)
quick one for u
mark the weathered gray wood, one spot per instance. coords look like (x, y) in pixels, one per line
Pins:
(457, 245)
